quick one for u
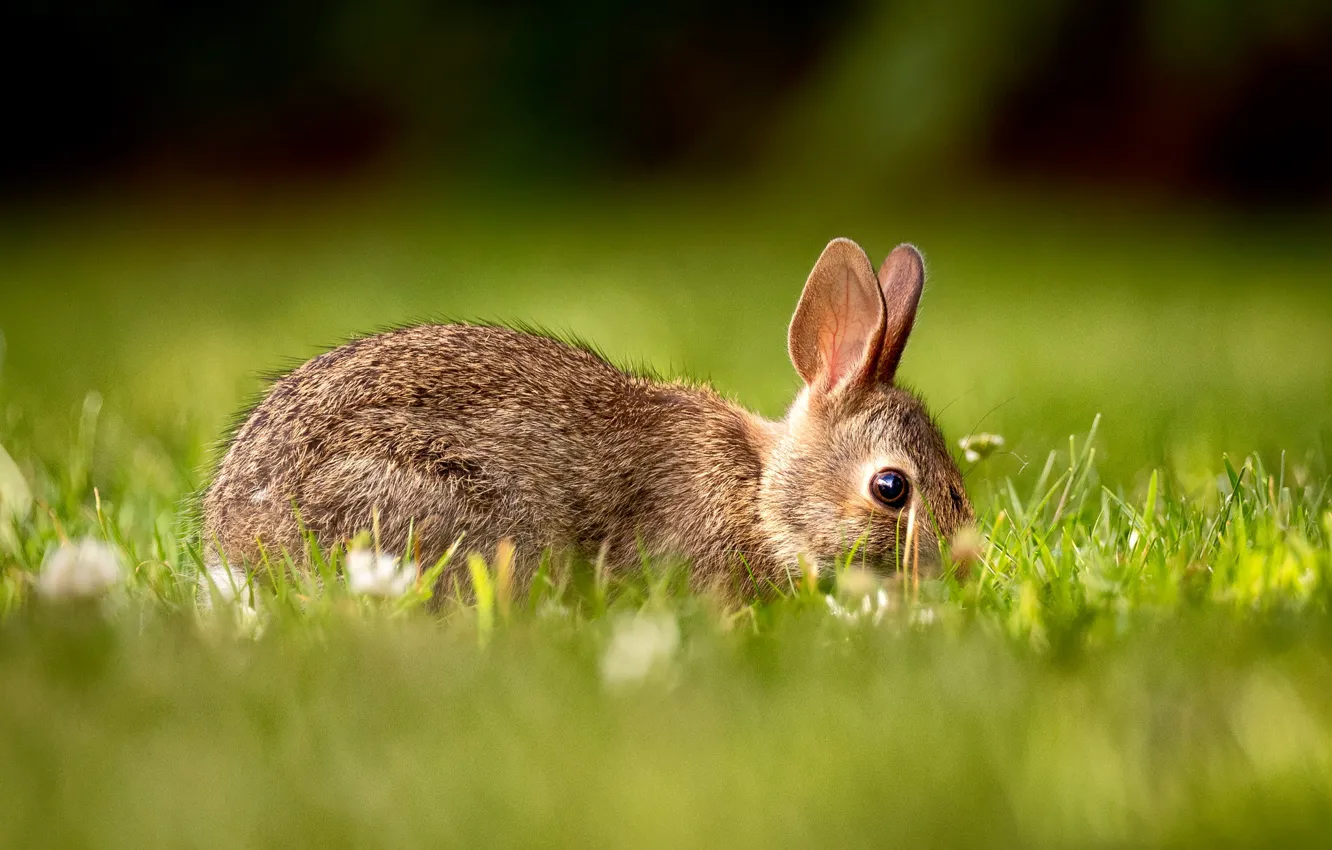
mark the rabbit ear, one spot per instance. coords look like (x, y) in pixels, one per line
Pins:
(902, 278)
(838, 325)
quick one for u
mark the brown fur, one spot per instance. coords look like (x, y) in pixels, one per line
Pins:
(497, 433)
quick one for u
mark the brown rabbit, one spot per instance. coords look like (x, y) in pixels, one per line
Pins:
(495, 433)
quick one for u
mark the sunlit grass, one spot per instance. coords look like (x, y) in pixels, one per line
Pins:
(1136, 649)
(1118, 666)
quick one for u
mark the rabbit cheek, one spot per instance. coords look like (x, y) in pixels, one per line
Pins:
(796, 522)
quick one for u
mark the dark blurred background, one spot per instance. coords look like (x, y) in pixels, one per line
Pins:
(1217, 99)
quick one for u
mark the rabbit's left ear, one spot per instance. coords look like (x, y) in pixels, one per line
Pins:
(837, 330)
(901, 279)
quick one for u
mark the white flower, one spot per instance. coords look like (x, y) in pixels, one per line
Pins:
(236, 596)
(552, 610)
(978, 447)
(249, 623)
(924, 616)
(872, 608)
(378, 575)
(84, 569)
(638, 645)
(228, 586)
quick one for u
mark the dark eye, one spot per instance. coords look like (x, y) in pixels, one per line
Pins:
(890, 488)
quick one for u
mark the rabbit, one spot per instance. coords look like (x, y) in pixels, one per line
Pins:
(493, 433)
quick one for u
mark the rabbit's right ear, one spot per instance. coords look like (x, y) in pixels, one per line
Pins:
(901, 279)
(839, 323)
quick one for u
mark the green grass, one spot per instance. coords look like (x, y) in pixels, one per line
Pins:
(1142, 654)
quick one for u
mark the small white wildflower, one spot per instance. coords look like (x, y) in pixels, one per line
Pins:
(378, 575)
(84, 569)
(552, 610)
(872, 608)
(228, 586)
(236, 598)
(638, 645)
(924, 616)
(836, 609)
(248, 621)
(978, 447)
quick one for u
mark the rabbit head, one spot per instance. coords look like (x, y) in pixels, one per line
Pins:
(858, 460)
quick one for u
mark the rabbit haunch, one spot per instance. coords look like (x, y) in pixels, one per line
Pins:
(495, 433)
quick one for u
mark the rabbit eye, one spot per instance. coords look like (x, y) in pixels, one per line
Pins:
(890, 488)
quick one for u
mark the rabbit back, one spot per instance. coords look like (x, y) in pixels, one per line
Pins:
(491, 433)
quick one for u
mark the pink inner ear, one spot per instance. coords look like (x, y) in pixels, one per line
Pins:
(845, 334)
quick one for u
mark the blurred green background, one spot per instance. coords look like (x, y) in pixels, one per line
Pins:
(1125, 206)
(1126, 209)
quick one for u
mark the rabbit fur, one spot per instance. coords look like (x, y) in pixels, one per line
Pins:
(492, 433)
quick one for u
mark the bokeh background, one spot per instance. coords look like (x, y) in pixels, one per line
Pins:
(1124, 205)
(1126, 209)
(1224, 99)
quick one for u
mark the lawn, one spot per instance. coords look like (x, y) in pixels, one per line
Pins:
(1141, 654)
